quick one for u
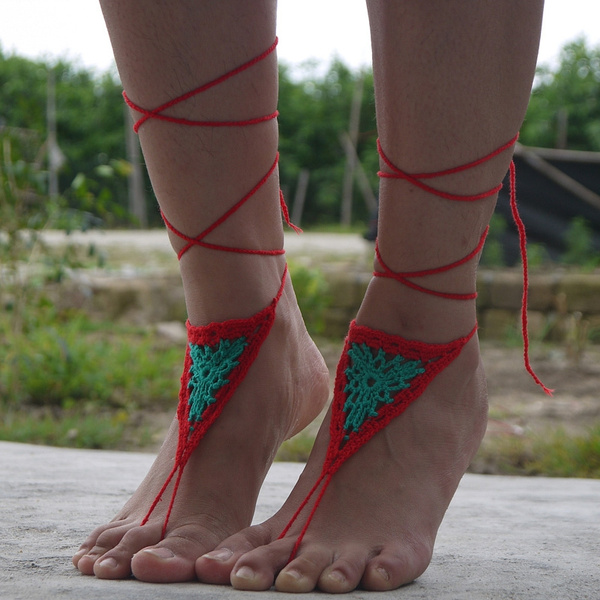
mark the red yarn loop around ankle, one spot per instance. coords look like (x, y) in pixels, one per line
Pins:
(417, 180)
(405, 278)
(199, 239)
(158, 113)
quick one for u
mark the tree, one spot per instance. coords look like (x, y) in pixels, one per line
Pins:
(314, 111)
(90, 129)
(564, 110)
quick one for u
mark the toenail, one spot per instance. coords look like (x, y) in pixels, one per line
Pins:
(383, 573)
(293, 573)
(163, 553)
(245, 573)
(337, 576)
(108, 562)
(222, 554)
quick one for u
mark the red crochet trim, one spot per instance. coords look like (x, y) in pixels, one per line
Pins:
(404, 278)
(249, 333)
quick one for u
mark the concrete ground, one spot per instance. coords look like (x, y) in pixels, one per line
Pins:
(504, 538)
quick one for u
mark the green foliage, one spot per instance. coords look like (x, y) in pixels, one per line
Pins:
(551, 454)
(74, 428)
(537, 255)
(26, 263)
(493, 251)
(314, 111)
(312, 292)
(570, 92)
(580, 250)
(64, 362)
(296, 449)
(90, 127)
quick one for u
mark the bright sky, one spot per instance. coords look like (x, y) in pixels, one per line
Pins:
(307, 29)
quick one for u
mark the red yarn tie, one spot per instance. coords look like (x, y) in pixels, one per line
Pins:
(157, 113)
(232, 345)
(380, 375)
(417, 180)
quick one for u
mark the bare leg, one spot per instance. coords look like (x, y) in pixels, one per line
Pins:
(164, 49)
(452, 84)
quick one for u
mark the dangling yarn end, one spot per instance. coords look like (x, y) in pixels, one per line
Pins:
(523, 249)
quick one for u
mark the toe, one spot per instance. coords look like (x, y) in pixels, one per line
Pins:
(215, 567)
(112, 567)
(164, 563)
(86, 562)
(303, 573)
(160, 564)
(346, 572)
(256, 570)
(77, 556)
(395, 567)
(92, 548)
(116, 562)
(174, 558)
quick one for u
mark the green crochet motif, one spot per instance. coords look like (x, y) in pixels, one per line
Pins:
(374, 380)
(210, 370)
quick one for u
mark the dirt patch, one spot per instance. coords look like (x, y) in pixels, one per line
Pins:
(518, 405)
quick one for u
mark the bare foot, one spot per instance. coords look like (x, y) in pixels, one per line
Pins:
(377, 522)
(284, 390)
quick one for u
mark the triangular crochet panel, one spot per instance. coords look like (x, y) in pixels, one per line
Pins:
(378, 377)
(217, 359)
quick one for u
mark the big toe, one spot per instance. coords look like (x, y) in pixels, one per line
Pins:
(160, 564)
(216, 566)
(174, 558)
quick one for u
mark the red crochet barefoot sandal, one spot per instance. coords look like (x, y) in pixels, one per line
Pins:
(379, 375)
(218, 355)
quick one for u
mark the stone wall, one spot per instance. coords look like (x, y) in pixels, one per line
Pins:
(561, 304)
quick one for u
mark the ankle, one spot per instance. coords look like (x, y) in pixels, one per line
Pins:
(399, 310)
(219, 286)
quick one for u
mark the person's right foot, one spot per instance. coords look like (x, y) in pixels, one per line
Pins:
(285, 389)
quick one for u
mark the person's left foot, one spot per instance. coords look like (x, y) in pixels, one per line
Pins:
(378, 519)
(285, 389)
